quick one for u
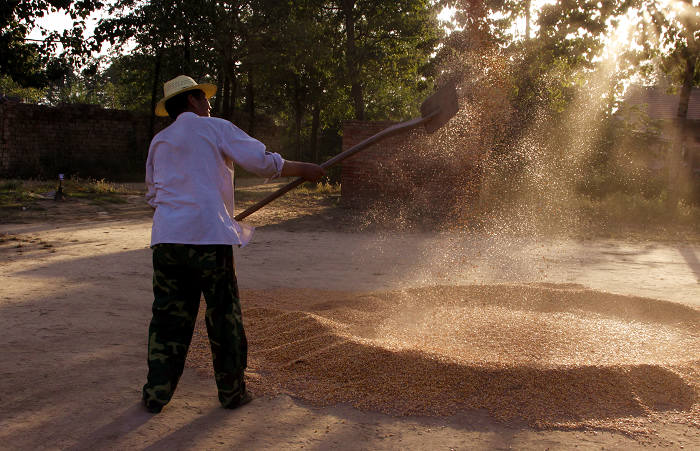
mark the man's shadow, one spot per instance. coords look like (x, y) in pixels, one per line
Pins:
(134, 417)
(691, 259)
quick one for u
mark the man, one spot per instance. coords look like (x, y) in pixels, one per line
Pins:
(189, 179)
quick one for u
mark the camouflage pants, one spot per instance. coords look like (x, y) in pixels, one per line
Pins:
(181, 273)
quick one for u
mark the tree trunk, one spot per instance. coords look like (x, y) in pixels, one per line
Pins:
(678, 182)
(234, 94)
(154, 90)
(226, 113)
(297, 117)
(186, 56)
(687, 87)
(352, 60)
(527, 20)
(315, 124)
(229, 90)
(219, 91)
(251, 102)
(357, 96)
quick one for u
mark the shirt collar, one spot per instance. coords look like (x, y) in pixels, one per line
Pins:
(189, 113)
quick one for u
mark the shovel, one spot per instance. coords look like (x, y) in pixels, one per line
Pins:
(435, 111)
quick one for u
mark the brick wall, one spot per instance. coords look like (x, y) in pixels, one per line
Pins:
(361, 178)
(39, 141)
(412, 174)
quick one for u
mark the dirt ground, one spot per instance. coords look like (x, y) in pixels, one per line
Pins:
(75, 302)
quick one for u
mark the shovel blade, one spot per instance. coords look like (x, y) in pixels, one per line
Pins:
(442, 106)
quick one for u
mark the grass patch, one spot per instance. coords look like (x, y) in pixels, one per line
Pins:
(25, 194)
(637, 210)
(100, 192)
(19, 194)
(622, 215)
(253, 192)
(321, 188)
(93, 186)
(10, 185)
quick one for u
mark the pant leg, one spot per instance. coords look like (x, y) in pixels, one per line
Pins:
(176, 290)
(229, 346)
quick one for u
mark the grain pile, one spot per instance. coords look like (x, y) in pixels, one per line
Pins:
(553, 356)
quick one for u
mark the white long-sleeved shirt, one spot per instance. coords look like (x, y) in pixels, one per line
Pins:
(189, 177)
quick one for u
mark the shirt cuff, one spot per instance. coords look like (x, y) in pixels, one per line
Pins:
(279, 163)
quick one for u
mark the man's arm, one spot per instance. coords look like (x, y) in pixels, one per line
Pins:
(150, 184)
(309, 171)
(251, 155)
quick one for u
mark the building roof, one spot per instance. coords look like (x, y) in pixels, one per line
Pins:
(660, 104)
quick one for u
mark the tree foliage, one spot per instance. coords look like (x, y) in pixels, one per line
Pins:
(33, 64)
(305, 66)
(287, 62)
(560, 85)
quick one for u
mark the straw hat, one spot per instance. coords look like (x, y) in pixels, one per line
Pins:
(178, 85)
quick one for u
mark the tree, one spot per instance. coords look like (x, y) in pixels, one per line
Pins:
(301, 79)
(670, 32)
(32, 64)
(393, 41)
(160, 28)
(281, 62)
(669, 35)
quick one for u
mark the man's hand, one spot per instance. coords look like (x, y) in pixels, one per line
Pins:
(313, 172)
(309, 171)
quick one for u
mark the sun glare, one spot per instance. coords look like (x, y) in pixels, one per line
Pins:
(619, 37)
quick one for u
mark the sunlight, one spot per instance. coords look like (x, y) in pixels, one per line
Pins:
(447, 14)
(621, 35)
(59, 21)
(518, 28)
(447, 18)
(677, 8)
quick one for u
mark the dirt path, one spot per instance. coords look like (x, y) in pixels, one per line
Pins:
(75, 304)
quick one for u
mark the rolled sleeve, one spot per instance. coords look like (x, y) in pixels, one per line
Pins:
(249, 153)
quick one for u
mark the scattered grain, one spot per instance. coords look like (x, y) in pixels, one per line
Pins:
(557, 357)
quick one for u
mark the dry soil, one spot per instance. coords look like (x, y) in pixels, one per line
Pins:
(359, 339)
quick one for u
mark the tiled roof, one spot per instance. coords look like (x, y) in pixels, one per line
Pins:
(662, 105)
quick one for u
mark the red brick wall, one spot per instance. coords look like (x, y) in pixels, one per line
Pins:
(361, 179)
(40, 141)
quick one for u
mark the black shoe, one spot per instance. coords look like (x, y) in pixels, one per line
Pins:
(243, 399)
(152, 406)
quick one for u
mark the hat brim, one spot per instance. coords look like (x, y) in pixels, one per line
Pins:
(208, 89)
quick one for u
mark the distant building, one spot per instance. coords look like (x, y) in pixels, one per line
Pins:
(661, 106)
